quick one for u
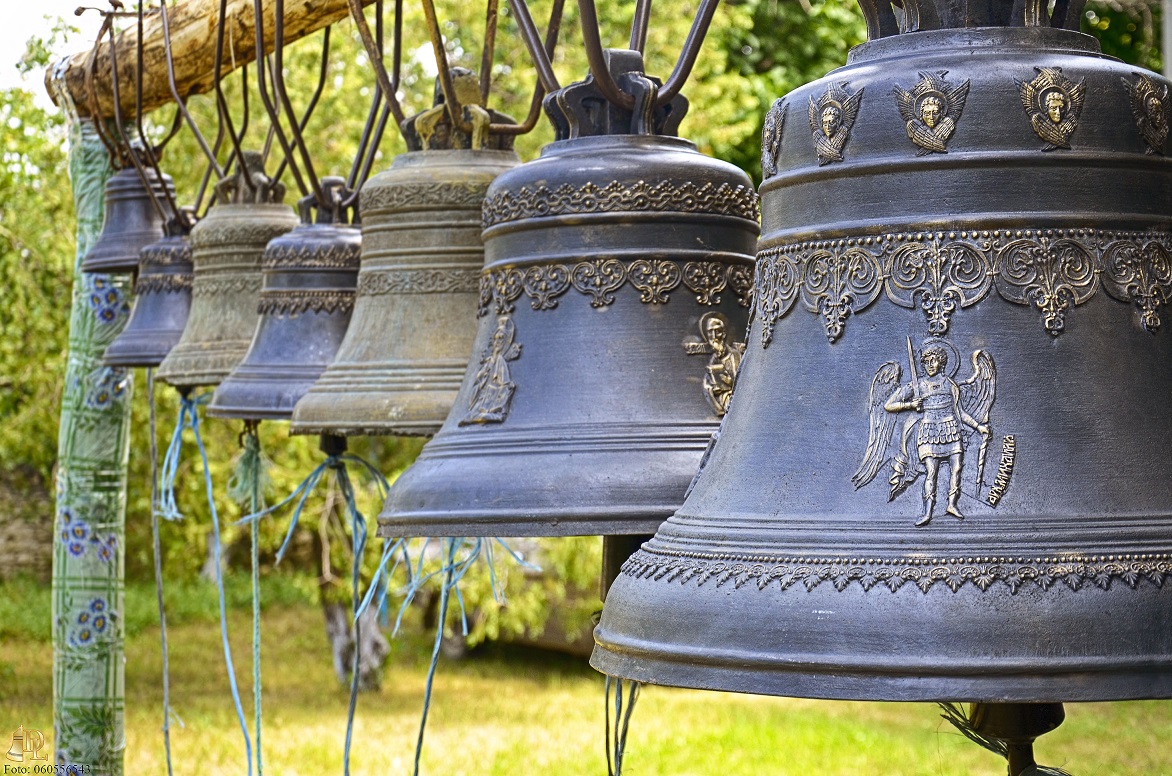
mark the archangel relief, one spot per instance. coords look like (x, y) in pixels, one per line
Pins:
(931, 110)
(493, 386)
(1053, 102)
(1149, 105)
(938, 420)
(831, 118)
(720, 378)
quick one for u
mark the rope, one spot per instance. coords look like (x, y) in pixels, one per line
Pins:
(157, 546)
(337, 464)
(622, 722)
(189, 418)
(248, 483)
(453, 568)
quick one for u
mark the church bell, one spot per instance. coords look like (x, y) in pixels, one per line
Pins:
(305, 306)
(227, 246)
(612, 310)
(162, 299)
(944, 475)
(131, 220)
(400, 365)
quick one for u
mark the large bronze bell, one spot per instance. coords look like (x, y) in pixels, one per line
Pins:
(401, 362)
(945, 474)
(305, 307)
(131, 221)
(162, 299)
(613, 306)
(227, 246)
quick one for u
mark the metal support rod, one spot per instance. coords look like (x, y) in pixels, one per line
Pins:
(639, 25)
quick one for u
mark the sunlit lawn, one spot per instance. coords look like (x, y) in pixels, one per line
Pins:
(518, 711)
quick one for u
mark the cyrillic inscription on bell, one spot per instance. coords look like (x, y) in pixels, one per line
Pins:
(227, 246)
(615, 291)
(944, 476)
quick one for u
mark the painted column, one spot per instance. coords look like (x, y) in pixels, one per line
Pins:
(92, 450)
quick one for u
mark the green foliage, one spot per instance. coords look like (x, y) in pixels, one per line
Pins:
(1127, 29)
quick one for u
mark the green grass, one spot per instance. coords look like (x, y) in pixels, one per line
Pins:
(507, 710)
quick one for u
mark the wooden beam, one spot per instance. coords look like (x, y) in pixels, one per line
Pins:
(193, 45)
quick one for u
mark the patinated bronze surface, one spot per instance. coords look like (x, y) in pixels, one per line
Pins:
(305, 307)
(162, 299)
(227, 246)
(611, 264)
(398, 370)
(944, 472)
(131, 221)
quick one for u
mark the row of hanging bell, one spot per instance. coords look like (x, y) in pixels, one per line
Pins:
(944, 473)
(162, 300)
(612, 308)
(227, 247)
(309, 277)
(399, 367)
(131, 219)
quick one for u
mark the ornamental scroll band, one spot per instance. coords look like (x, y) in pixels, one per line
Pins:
(664, 197)
(599, 279)
(760, 573)
(1050, 270)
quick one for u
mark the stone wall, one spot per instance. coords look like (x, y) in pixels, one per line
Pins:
(26, 527)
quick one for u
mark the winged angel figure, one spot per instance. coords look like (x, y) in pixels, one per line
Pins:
(931, 110)
(1053, 102)
(939, 417)
(831, 118)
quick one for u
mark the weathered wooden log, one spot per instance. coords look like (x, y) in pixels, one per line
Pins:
(193, 45)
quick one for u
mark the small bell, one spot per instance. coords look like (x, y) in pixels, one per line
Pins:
(227, 246)
(400, 365)
(944, 476)
(613, 305)
(131, 222)
(305, 306)
(162, 299)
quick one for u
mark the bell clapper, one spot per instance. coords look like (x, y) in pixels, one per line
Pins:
(1016, 725)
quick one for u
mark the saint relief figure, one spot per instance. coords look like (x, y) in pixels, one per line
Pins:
(831, 118)
(939, 416)
(493, 386)
(720, 377)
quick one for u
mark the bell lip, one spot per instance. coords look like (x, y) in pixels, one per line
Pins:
(349, 428)
(246, 413)
(904, 680)
(134, 351)
(570, 521)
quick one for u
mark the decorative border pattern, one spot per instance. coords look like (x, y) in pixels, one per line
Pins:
(163, 283)
(761, 572)
(335, 256)
(237, 284)
(417, 196)
(248, 235)
(599, 279)
(296, 302)
(1051, 270)
(419, 281)
(165, 254)
(664, 197)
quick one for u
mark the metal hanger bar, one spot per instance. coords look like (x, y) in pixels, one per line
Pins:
(639, 25)
(541, 56)
(151, 153)
(221, 101)
(539, 89)
(486, 55)
(270, 107)
(451, 101)
(691, 49)
(389, 84)
(595, 55)
(92, 93)
(295, 125)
